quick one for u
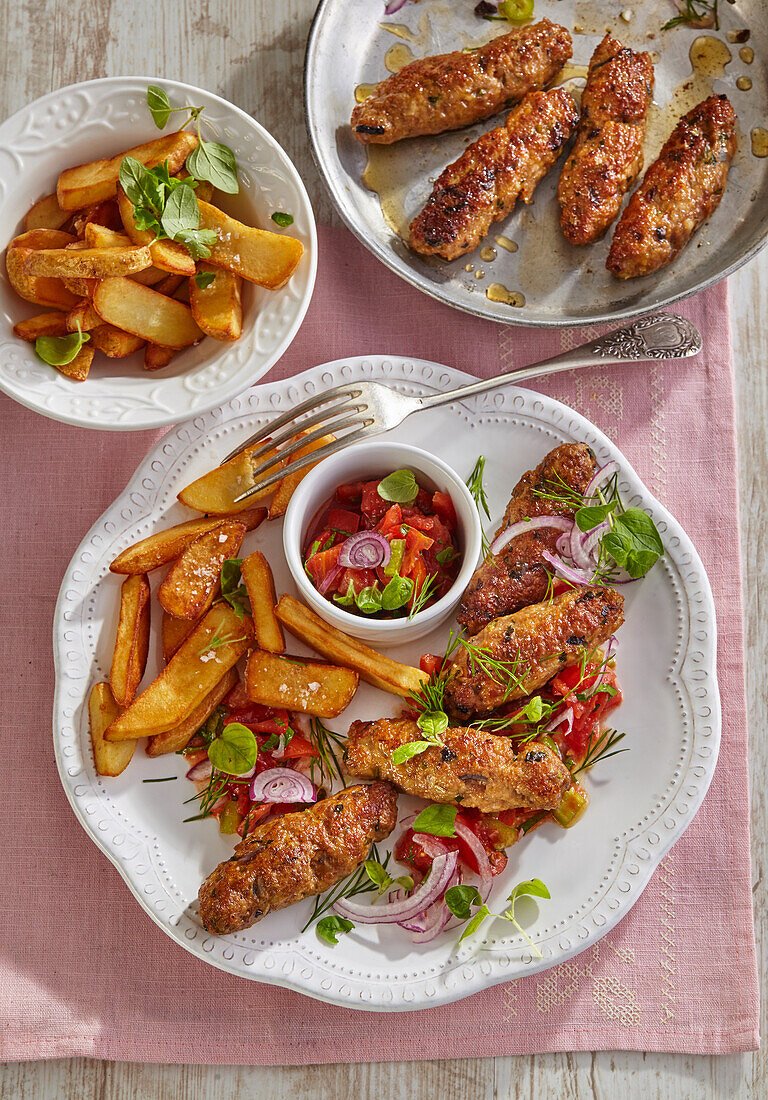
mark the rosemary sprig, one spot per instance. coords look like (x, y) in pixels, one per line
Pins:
(359, 882)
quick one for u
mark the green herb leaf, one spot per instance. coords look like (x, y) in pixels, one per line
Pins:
(283, 220)
(347, 600)
(476, 921)
(591, 516)
(446, 555)
(409, 749)
(159, 105)
(181, 212)
(235, 749)
(532, 888)
(57, 351)
(633, 542)
(198, 242)
(460, 900)
(437, 820)
(368, 600)
(433, 723)
(534, 709)
(399, 487)
(232, 591)
(215, 163)
(397, 593)
(204, 279)
(330, 928)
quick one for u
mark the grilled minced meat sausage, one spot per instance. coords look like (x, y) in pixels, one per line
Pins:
(518, 576)
(475, 769)
(289, 858)
(492, 173)
(456, 89)
(679, 192)
(608, 154)
(517, 654)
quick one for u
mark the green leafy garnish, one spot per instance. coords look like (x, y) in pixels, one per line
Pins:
(437, 820)
(477, 490)
(233, 591)
(397, 593)
(533, 888)
(424, 595)
(347, 600)
(356, 883)
(601, 749)
(633, 542)
(204, 279)
(159, 105)
(433, 723)
(165, 206)
(398, 487)
(218, 640)
(446, 555)
(281, 219)
(215, 163)
(330, 928)
(591, 516)
(410, 749)
(235, 750)
(325, 768)
(368, 600)
(57, 351)
(381, 878)
(461, 899)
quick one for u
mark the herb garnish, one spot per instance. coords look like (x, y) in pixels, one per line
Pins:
(695, 13)
(327, 742)
(477, 490)
(382, 880)
(460, 900)
(204, 279)
(424, 595)
(233, 591)
(57, 351)
(210, 160)
(218, 640)
(330, 928)
(235, 750)
(166, 206)
(281, 219)
(602, 749)
(359, 882)
(437, 820)
(165, 779)
(399, 487)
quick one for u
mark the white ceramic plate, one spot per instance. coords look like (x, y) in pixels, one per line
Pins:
(642, 800)
(352, 44)
(100, 118)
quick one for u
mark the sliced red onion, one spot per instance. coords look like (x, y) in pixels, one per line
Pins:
(365, 550)
(523, 525)
(432, 845)
(393, 912)
(392, 7)
(590, 540)
(435, 920)
(576, 551)
(282, 785)
(329, 578)
(604, 666)
(200, 771)
(564, 716)
(575, 576)
(478, 851)
(600, 476)
(563, 544)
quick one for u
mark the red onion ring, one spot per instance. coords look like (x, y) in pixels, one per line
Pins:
(564, 716)
(575, 576)
(523, 525)
(600, 476)
(478, 851)
(282, 785)
(432, 845)
(365, 550)
(393, 912)
(200, 771)
(392, 7)
(329, 578)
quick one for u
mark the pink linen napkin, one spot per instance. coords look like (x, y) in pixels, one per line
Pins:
(83, 971)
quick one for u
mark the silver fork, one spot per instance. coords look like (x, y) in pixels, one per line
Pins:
(363, 409)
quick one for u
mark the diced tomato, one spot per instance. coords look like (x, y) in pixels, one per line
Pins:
(350, 493)
(343, 521)
(299, 746)
(372, 505)
(254, 816)
(587, 713)
(321, 564)
(358, 578)
(423, 501)
(443, 506)
(431, 663)
(418, 574)
(415, 543)
(237, 697)
(567, 680)
(408, 851)
(389, 525)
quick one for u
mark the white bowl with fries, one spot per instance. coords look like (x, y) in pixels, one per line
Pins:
(360, 462)
(152, 386)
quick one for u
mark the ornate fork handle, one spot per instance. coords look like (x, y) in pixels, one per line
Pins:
(657, 336)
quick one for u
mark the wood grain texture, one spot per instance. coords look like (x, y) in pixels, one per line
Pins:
(252, 53)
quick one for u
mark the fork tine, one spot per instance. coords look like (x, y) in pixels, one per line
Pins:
(275, 442)
(287, 417)
(300, 463)
(304, 441)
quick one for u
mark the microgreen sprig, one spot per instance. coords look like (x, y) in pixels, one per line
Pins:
(695, 13)
(476, 486)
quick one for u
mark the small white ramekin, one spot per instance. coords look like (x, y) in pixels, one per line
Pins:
(361, 462)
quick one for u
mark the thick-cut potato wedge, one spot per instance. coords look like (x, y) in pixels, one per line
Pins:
(215, 492)
(165, 546)
(339, 647)
(150, 276)
(214, 647)
(42, 292)
(155, 357)
(100, 236)
(102, 213)
(145, 313)
(218, 308)
(113, 342)
(167, 255)
(311, 688)
(173, 631)
(204, 189)
(260, 585)
(87, 263)
(97, 180)
(45, 324)
(287, 486)
(110, 759)
(194, 580)
(83, 288)
(132, 643)
(176, 739)
(83, 317)
(78, 369)
(46, 214)
(268, 259)
(169, 284)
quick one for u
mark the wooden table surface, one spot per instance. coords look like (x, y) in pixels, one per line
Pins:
(251, 53)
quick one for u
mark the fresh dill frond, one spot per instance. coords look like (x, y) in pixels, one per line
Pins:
(476, 487)
(328, 743)
(601, 749)
(695, 13)
(424, 595)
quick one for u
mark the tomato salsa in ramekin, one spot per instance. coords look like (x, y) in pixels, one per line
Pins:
(384, 548)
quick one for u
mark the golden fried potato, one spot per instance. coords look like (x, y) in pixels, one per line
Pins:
(40, 291)
(215, 491)
(165, 546)
(296, 683)
(194, 580)
(142, 311)
(110, 759)
(46, 214)
(173, 631)
(78, 369)
(132, 643)
(83, 288)
(45, 324)
(167, 255)
(87, 263)
(99, 236)
(155, 357)
(286, 487)
(83, 317)
(176, 739)
(102, 213)
(113, 342)
(268, 259)
(260, 585)
(218, 308)
(90, 183)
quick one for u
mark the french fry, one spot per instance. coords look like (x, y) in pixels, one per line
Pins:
(110, 759)
(90, 183)
(87, 263)
(204, 189)
(142, 311)
(132, 643)
(268, 259)
(100, 236)
(113, 342)
(45, 324)
(46, 214)
(342, 649)
(260, 585)
(173, 631)
(101, 213)
(215, 492)
(218, 308)
(83, 288)
(78, 369)
(310, 688)
(287, 486)
(169, 284)
(165, 546)
(176, 739)
(155, 357)
(214, 647)
(83, 317)
(42, 292)
(150, 276)
(194, 580)
(167, 255)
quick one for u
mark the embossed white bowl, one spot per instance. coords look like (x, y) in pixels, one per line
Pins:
(99, 118)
